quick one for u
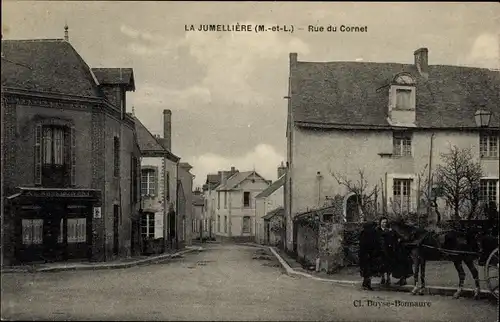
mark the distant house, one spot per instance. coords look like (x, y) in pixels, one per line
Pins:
(389, 120)
(236, 205)
(158, 187)
(268, 200)
(210, 196)
(200, 222)
(70, 172)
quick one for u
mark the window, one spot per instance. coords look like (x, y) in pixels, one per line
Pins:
(53, 145)
(205, 225)
(218, 199)
(246, 225)
(401, 144)
(133, 181)
(148, 182)
(225, 224)
(225, 199)
(403, 99)
(401, 193)
(218, 224)
(77, 230)
(488, 190)
(116, 155)
(148, 226)
(488, 146)
(246, 199)
(32, 231)
(54, 156)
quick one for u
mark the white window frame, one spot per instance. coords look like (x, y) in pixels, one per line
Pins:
(390, 189)
(491, 178)
(486, 142)
(399, 141)
(151, 185)
(148, 234)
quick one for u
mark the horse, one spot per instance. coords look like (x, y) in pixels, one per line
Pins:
(427, 245)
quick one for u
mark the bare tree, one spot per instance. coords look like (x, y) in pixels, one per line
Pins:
(458, 180)
(365, 197)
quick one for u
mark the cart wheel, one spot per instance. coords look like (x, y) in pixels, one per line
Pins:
(491, 272)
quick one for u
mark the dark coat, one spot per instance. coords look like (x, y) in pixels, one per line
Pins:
(369, 251)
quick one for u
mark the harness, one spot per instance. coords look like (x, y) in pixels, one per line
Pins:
(419, 243)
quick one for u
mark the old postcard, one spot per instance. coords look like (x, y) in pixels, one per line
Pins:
(250, 161)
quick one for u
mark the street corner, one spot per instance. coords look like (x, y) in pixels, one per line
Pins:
(266, 258)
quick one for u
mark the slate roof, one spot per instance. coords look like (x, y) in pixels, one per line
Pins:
(280, 211)
(357, 93)
(47, 65)
(272, 188)
(236, 179)
(148, 143)
(115, 76)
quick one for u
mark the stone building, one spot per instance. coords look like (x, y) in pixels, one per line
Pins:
(158, 188)
(71, 158)
(392, 121)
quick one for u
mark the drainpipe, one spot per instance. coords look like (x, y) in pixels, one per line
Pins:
(429, 191)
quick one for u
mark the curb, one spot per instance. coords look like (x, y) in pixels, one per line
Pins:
(430, 290)
(156, 259)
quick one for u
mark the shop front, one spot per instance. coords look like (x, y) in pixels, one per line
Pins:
(53, 224)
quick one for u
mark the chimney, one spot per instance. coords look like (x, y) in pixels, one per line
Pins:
(422, 60)
(223, 177)
(233, 169)
(281, 170)
(293, 59)
(66, 34)
(167, 129)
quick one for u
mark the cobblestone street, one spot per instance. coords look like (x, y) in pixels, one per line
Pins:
(223, 282)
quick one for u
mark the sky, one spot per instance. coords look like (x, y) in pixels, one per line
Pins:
(226, 89)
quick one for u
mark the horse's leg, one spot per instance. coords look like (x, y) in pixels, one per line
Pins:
(475, 275)
(461, 277)
(422, 276)
(415, 258)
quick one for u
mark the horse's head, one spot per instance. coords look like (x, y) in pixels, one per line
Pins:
(401, 228)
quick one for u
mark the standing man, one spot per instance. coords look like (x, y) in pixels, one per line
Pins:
(368, 250)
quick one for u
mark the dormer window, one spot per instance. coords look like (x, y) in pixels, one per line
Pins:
(403, 99)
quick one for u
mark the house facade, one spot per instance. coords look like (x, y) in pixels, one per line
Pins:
(236, 205)
(267, 201)
(158, 188)
(210, 195)
(200, 222)
(71, 157)
(392, 122)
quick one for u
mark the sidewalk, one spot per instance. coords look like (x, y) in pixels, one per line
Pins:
(441, 277)
(121, 263)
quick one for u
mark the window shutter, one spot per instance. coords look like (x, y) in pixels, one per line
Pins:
(73, 156)
(38, 154)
